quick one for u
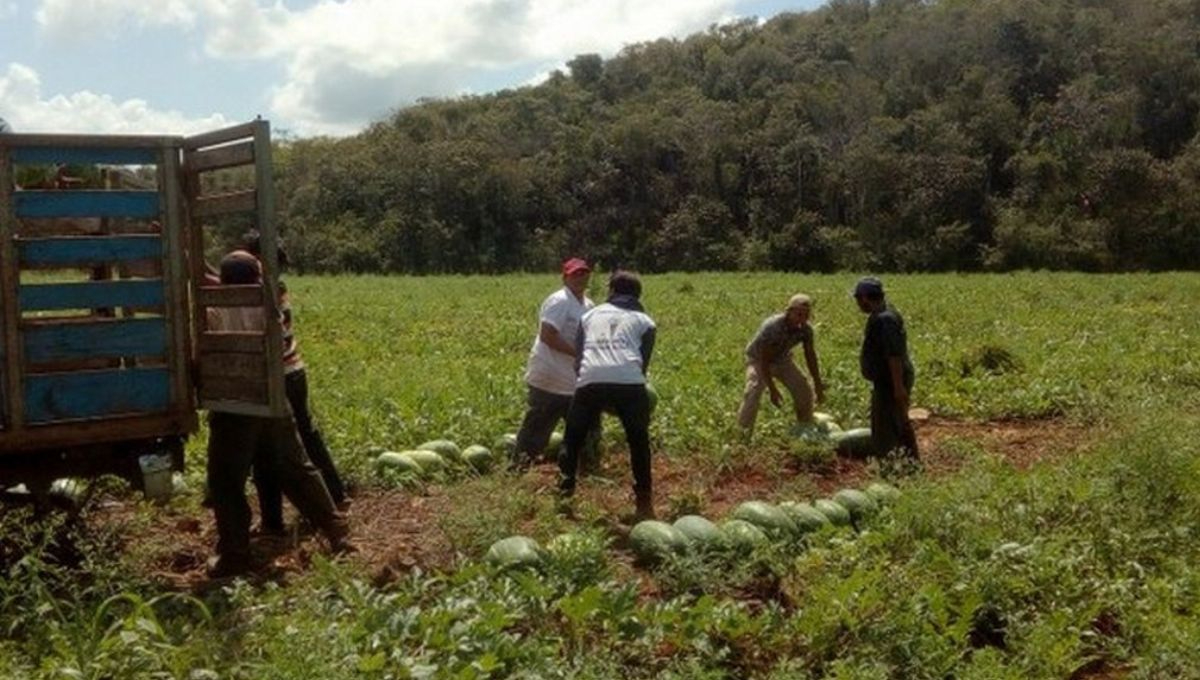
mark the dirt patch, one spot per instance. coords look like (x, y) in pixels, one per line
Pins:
(395, 530)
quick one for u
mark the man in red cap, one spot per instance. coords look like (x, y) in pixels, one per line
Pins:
(550, 371)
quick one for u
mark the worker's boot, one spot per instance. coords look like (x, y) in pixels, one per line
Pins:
(338, 535)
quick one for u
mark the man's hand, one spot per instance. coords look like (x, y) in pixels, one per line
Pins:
(819, 389)
(776, 398)
(901, 396)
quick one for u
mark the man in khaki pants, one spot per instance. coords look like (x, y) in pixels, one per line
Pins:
(769, 357)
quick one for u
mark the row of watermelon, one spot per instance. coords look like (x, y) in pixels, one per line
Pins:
(752, 524)
(437, 456)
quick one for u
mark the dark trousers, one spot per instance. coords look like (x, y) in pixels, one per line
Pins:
(890, 427)
(632, 406)
(544, 410)
(237, 442)
(270, 494)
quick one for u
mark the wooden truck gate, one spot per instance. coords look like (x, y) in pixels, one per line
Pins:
(104, 350)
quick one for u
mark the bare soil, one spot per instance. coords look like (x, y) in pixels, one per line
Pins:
(395, 529)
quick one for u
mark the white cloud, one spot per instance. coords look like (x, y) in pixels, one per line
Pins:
(349, 61)
(23, 106)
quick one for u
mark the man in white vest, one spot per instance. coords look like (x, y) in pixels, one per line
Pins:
(614, 345)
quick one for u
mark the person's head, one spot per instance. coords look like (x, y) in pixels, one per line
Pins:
(576, 274)
(240, 268)
(251, 242)
(799, 309)
(868, 293)
(623, 282)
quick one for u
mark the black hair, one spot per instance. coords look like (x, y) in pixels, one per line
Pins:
(239, 269)
(624, 282)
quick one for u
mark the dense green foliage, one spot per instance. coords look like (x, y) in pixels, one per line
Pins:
(1082, 564)
(911, 135)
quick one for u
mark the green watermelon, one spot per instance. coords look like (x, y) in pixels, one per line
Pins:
(807, 518)
(701, 533)
(767, 517)
(858, 503)
(883, 493)
(855, 443)
(430, 461)
(515, 552)
(827, 423)
(505, 444)
(401, 462)
(836, 512)
(447, 449)
(810, 432)
(479, 458)
(743, 535)
(653, 540)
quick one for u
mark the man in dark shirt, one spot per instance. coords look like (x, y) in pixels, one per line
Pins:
(885, 363)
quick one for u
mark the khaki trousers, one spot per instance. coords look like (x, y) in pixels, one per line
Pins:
(785, 371)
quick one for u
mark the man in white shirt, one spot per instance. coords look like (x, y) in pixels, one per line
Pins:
(615, 342)
(550, 372)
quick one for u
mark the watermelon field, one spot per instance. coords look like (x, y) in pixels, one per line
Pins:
(1053, 530)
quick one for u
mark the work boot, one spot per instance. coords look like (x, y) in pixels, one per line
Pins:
(338, 535)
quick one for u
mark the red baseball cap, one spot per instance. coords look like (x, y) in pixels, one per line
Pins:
(574, 266)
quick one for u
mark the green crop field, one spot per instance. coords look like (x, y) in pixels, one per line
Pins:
(1079, 562)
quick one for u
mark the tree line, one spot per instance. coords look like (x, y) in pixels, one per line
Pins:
(895, 135)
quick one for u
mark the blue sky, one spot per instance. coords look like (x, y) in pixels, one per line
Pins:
(310, 66)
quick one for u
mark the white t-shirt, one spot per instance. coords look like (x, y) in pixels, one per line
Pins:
(549, 369)
(612, 346)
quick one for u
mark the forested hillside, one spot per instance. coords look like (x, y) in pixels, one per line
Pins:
(887, 134)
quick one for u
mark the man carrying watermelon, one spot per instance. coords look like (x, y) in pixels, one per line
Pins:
(884, 362)
(769, 357)
(550, 370)
(614, 344)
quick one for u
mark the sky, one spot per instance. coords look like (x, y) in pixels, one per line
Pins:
(311, 67)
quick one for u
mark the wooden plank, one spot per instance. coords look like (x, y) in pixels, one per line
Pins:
(174, 266)
(86, 203)
(229, 296)
(227, 390)
(113, 428)
(225, 204)
(25, 140)
(95, 339)
(230, 341)
(91, 394)
(85, 155)
(91, 295)
(222, 136)
(269, 239)
(88, 250)
(218, 158)
(230, 366)
(12, 410)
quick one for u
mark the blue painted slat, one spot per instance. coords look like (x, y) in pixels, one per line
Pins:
(90, 295)
(100, 339)
(84, 155)
(136, 204)
(88, 250)
(90, 394)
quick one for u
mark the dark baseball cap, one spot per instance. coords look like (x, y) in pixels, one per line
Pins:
(868, 286)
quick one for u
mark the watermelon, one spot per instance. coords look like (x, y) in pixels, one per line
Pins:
(67, 492)
(743, 535)
(555, 447)
(769, 518)
(836, 512)
(883, 493)
(858, 503)
(479, 458)
(700, 533)
(515, 552)
(430, 461)
(810, 432)
(505, 444)
(806, 518)
(827, 423)
(653, 540)
(400, 462)
(447, 449)
(855, 443)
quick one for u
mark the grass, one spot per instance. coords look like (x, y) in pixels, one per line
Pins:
(1082, 567)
